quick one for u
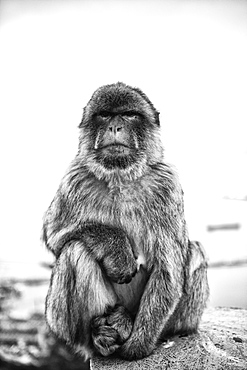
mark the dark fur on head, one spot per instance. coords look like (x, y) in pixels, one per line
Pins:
(126, 274)
(119, 98)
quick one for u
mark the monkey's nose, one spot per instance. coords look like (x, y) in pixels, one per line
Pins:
(115, 128)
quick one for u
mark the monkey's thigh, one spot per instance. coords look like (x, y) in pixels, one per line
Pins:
(78, 291)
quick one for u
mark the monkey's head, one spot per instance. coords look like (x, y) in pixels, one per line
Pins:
(119, 132)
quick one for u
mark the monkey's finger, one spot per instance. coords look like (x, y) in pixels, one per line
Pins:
(127, 278)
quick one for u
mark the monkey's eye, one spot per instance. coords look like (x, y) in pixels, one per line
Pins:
(131, 114)
(105, 114)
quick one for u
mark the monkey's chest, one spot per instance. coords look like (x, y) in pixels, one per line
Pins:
(127, 211)
(126, 208)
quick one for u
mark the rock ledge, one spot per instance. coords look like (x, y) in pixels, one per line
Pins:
(221, 343)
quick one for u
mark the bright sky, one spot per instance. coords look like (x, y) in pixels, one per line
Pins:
(189, 57)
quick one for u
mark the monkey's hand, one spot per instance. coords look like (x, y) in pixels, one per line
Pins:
(112, 249)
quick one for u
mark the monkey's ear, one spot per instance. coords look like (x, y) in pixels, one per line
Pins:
(83, 118)
(157, 118)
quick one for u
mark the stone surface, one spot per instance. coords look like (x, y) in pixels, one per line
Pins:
(221, 343)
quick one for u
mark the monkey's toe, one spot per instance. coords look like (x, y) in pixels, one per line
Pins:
(105, 340)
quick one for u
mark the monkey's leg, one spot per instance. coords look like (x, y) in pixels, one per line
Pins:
(78, 291)
(157, 304)
(189, 310)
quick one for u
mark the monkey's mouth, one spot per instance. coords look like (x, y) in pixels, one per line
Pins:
(115, 145)
(116, 156)
(116, 149)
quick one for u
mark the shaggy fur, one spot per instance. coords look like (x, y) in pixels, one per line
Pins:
(126, 274)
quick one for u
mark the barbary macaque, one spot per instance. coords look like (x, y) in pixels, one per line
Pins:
(126, 274)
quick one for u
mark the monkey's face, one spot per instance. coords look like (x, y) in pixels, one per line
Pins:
(120, 138)
(119, 128)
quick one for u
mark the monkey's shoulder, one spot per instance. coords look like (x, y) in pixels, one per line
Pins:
(165, 183)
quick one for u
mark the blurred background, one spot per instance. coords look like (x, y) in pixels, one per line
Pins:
(190, 58)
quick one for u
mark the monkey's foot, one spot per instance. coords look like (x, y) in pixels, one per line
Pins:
(135, 348)
(111, 330)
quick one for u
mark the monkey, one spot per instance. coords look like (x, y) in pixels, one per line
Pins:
(126, 275)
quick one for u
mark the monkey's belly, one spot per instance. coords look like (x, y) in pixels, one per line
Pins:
(129, 295)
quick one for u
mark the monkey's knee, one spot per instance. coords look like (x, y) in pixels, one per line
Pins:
(111, 330)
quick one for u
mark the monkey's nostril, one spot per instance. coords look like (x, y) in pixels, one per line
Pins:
(114, 129)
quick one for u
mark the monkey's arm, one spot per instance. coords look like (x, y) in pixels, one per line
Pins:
(87, 257)
(78, 292)
(109, 246)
